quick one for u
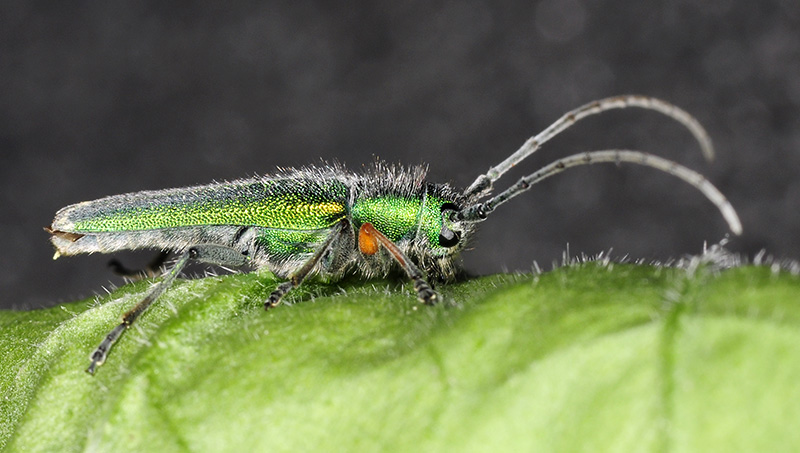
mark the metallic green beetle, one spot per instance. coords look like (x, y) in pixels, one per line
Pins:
(329, 221)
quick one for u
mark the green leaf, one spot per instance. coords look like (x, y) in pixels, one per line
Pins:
(587, 357)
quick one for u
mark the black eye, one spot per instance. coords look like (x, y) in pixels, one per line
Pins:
(448, 238)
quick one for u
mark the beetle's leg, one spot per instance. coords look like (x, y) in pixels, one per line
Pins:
(299, 275)
(149, 271)
(214, 254)
(368, 241)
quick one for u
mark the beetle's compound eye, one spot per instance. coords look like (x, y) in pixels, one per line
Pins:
(447, 237)
(449, 207)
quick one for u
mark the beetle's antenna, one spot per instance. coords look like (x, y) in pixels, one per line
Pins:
(483, 184)
(480, 211)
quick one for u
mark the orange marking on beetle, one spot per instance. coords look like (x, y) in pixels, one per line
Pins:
(367, 239)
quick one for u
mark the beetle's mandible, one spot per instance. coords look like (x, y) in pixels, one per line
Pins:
(329, 221)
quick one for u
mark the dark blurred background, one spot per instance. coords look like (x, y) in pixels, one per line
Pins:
(117, 96)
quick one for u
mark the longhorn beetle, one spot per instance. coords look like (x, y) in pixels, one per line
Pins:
(329, 221)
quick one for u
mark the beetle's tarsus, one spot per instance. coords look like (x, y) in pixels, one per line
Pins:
(93, 366)
(425, 293)
(100, 354)
(275, 298)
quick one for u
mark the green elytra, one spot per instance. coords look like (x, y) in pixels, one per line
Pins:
(328, 221)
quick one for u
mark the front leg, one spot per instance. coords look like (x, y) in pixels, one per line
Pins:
(369, 240)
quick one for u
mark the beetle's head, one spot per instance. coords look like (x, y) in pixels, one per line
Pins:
(440, 233)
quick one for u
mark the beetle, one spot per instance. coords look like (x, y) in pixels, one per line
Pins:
(328, 221)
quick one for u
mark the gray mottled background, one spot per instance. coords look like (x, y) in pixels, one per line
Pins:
(98, 98)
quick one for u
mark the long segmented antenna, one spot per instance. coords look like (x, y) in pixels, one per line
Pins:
(483, 184)
(480, 211)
